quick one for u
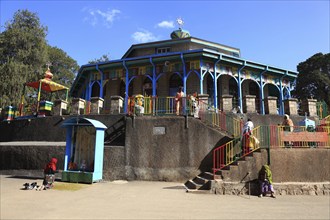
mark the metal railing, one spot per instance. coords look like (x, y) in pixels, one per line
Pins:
(299, 136)
(273, 136)
(232, 151)
(157, 106)
(220, 119)
(325, 121)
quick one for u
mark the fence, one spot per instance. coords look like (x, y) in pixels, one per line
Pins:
(239, 147)
(220, 119)
(299, 136)
(321, 109)
(269, 137)
(157, 106)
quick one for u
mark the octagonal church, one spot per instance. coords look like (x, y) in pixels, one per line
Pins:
(213, 71)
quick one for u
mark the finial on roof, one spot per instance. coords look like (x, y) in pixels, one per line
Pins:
(180, 33)
(48, 75)
(180, 22)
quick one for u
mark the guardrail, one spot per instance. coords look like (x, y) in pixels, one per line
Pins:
(230, 152)
(300, 136)
(220, 119)
(156, 106)
(267, 137)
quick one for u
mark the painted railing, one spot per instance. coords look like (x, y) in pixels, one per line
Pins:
(267, 137)
(321, 109)
(239, 147)
(300, 136)
(157, 106)
(220, 119)
(325, 121)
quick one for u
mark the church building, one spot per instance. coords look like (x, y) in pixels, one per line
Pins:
(214, 71)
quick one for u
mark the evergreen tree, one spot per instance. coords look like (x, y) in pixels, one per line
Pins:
(104, 58)
(23, 55)
(63, 66)
(313, 80)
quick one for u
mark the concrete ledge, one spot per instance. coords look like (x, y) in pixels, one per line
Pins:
(286, 188)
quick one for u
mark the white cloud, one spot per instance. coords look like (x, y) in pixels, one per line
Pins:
(144, 36)
(166, 24)
(96, 15)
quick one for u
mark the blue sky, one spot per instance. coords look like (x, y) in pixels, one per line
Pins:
(276, 33)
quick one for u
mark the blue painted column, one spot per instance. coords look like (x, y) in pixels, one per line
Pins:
(184, 75)
(154, 78)
(126, 86)
(68, 147)
(215, 81)
(281, 95)
(240, 87)
(86, 91)
(262, 101)
(89, 88)
(101, 84)
(202, 76)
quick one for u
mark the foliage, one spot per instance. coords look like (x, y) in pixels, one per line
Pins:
(104, 58)
(24, 53)
(313, 80)
(62, 66)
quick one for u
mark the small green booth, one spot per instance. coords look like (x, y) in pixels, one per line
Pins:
(83, 162)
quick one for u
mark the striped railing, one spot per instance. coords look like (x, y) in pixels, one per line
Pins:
(239, 147)
(157, 106)
(299, 136)
(266, 137)
(168, 106)
(220, 119)
(325, 121)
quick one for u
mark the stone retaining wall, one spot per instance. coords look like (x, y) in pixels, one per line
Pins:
(288, 188)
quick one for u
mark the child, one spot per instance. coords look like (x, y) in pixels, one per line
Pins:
(266, 180)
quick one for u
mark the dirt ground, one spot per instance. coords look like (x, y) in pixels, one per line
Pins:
(147, 200)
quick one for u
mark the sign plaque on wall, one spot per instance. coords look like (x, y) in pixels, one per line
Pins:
(159, 131)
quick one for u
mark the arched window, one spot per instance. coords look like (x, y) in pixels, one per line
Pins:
(147, 87)
(253, 88)
(95, 90)
(175, 83)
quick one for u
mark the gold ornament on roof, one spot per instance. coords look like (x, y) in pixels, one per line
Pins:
(48, 75)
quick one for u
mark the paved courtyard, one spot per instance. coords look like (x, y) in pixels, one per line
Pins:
(147, 200)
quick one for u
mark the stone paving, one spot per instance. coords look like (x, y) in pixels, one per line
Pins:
(147, 200)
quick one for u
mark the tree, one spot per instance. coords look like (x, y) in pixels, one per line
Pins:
(63, 66)
(23, 55)
(104, 58)
(313, 80)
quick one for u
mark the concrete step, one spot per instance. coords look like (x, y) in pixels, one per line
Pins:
(205, 188)
(207, 175)
(199, 180)
(192, 185)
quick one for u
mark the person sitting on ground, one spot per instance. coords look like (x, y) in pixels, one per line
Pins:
(49, 174)
(265, 180)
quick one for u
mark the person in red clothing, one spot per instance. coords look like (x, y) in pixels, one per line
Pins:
(49, 175)
(50, 168)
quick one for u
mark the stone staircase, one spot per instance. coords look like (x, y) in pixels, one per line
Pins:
(241, 171)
